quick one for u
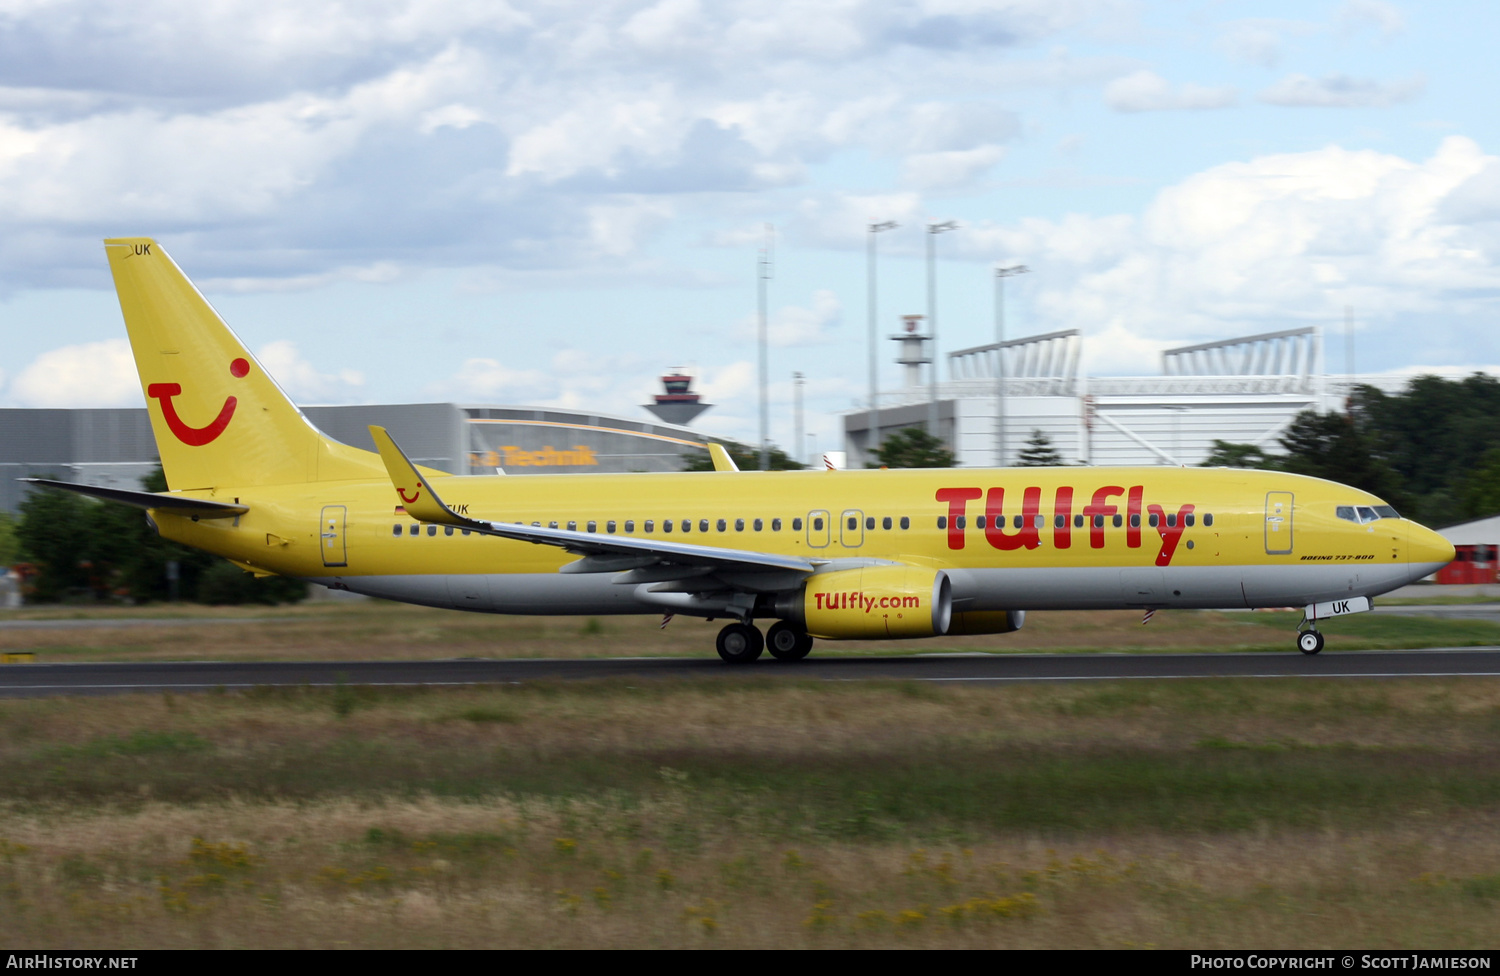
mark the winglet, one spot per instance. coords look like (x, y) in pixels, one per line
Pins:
(417, 495)
(722, 460)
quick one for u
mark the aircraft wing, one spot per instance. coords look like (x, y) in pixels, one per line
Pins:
(176, 504)
(601, 553)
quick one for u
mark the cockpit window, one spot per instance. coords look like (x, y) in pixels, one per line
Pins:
(1365, 513)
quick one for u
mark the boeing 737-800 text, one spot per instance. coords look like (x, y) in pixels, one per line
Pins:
(840, 555)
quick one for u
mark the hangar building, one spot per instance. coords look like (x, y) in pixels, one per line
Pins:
(115, 447)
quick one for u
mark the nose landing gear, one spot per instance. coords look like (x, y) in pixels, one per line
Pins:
(1309, 642)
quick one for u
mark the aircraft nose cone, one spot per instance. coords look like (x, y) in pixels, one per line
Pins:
(1428, 550)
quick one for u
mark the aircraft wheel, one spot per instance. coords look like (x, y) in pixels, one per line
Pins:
(1309, 642)
(740, 644)
(787, 642)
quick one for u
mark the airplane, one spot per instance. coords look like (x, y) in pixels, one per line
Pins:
(833, 555)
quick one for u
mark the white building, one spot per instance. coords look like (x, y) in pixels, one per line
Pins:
(1245, 391)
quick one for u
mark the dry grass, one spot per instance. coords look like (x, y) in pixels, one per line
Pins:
(384, 631)
(747, 813)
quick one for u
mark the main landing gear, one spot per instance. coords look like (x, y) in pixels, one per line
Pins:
(742, 643)
(1309, 641)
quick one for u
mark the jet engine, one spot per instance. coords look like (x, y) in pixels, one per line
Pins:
(986, 622)
(872, 602)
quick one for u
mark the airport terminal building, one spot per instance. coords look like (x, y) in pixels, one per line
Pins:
(115, 447)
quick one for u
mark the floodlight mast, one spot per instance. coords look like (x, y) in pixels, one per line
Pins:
(933, 230)
(872, 441)
(1000, 275)
(766, 269)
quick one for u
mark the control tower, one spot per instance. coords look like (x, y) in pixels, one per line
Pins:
(913, 349)
(679, 405)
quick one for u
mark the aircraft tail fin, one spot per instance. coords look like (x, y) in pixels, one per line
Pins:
(218, 417)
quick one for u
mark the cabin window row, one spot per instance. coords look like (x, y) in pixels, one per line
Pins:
(1079, 521)
(683, 525)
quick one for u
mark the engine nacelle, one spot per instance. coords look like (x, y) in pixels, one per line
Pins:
(876, 602)
(986, 622)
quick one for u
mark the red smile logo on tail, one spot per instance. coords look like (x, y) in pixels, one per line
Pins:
(414, 495)
(189, 435)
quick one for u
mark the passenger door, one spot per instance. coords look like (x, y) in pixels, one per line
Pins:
(332, 536)
(1278, 523)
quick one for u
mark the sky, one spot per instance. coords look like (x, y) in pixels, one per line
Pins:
(553, 203)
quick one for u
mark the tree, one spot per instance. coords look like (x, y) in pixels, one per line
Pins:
(913, 448)
(746, 458)
(1482, 487)
(10, 546)
(1039, 452)
(1333, 446)
(1227, 455)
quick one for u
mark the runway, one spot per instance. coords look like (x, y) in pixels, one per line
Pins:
(36, 680)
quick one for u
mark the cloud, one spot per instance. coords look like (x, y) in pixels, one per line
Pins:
(483, 380)
(1340, 91)
(950, 170)
(1266, 244)
(796, 325)
(92, 374)
(302, 381)
(1384, 17)
(1147, 91)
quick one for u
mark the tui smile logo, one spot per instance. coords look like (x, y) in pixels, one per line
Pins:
(414, 495)
(183, 431)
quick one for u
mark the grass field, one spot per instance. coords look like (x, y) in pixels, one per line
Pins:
(376, 630)
(734, 812)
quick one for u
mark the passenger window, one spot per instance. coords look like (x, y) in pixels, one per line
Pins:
(979, 522)
(722, 525)
(757, 524)
(1058, 521)
(1018, 521)
(551, 525)
(942, 521)
(739, 525)
(905, 522)
(1098, 521)
(415, 529)
(465, 531)
(396, 529)
(1039, 521)
(666, 525)
(1155, 520)
(593, 526)
(650, 525)
(572, 526)
(630, 525)
(853, 522)
(796, 525)
(1189, 520)
(536, 525)
(961, 521)
(687, 525)
(870, 522)
(1078, 521)
(703, 525)
(432, 530)
(817, 524)
(1171, 520)
(776, 525)
(885, 523)
(610, 526)
(447, 530)
(1135, 521)
(1208, 520)
(1119, 520)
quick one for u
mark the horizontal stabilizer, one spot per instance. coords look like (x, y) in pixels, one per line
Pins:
(176, 504)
